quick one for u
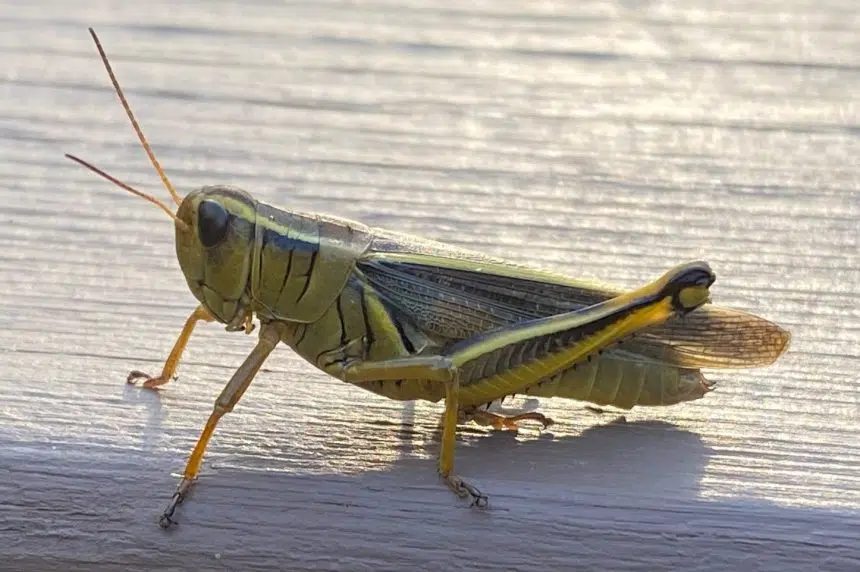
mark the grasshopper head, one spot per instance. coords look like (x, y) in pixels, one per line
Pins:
(214, 248)
(214, 229)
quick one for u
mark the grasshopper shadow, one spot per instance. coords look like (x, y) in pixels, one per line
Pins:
(612, 461)
(646, 458)
(643, 457)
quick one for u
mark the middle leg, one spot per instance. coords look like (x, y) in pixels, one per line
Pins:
(270, 335)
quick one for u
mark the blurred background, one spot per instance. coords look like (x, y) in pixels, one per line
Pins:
(606, 140)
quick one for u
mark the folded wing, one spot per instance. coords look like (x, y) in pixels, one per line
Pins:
(453, 295)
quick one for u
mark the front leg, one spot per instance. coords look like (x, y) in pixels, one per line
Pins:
(169, 369)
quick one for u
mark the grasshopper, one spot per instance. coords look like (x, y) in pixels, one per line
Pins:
(409, 318)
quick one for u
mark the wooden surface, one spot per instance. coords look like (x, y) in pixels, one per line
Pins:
(604, 139)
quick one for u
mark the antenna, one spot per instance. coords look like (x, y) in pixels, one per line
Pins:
(130, 189)
(176, 198)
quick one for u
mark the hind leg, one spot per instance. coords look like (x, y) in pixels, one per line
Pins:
(500, 421)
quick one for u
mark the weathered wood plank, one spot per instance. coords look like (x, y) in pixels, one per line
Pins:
(607, 140)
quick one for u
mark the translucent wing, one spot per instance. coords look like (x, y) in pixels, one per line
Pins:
(715, 337)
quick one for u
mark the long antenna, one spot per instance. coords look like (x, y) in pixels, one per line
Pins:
(176, 198)
(179, 222)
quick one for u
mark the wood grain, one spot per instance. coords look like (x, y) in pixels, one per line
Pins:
(608, 140)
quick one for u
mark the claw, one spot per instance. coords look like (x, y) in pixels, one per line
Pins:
(540, 418)
(464, 490)
(136, 374)
(166, 519)
(150, 382)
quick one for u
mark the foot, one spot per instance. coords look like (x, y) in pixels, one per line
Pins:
(166, 519)
(150, 383)
(466, 491)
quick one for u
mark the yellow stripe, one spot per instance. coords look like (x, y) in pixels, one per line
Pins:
(558, 324)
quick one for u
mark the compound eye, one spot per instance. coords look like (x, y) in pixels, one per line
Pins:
(212, 223)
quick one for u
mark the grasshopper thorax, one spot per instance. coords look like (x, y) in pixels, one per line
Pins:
(216, 248)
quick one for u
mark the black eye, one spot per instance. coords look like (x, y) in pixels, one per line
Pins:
(212, 221)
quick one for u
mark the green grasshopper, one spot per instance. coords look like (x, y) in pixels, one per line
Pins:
(409, 318)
